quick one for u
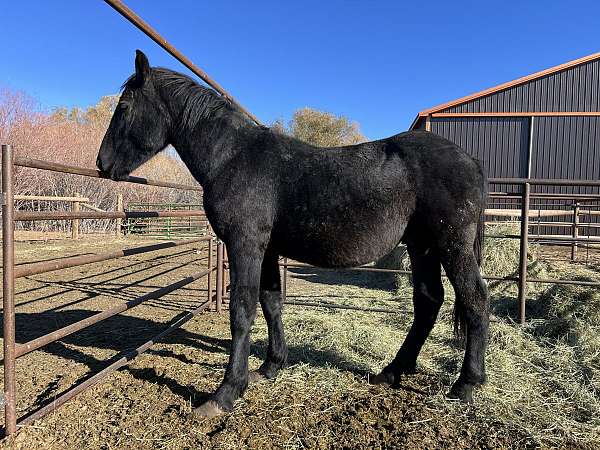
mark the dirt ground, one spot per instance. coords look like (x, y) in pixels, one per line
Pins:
(322, 400)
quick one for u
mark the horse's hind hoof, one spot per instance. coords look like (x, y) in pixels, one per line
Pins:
(384, 378)
(208, 409)
(255, 376)
(462, 392)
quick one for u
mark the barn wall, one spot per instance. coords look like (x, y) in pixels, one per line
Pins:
(562, 147)
(573, 89)
(567, 147)
(499, 143)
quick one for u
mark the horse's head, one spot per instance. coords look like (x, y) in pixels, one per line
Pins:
(139, 127)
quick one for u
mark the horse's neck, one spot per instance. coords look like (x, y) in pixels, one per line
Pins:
(207, 147)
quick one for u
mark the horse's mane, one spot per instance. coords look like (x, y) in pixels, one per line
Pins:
(199, 102)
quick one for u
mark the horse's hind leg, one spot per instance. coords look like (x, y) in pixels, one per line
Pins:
(270, 301)
(472, 305)
(428, 296)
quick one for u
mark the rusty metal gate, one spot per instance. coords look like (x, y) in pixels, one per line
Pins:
(11, 272)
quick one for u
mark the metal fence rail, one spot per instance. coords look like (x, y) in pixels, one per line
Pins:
(12, 350)
(37, 268)
(68, 215)
(166, 228)
(136, 20)
(57, 167)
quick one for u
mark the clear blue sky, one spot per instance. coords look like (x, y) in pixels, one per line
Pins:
(377, 62)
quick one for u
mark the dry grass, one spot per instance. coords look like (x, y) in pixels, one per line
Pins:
(542, 390)
(543, 378)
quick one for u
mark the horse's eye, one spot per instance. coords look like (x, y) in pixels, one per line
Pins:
(123, 106)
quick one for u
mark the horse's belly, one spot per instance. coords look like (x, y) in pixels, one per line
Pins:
(340, 243)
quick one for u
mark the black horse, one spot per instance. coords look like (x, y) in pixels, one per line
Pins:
(268, 195)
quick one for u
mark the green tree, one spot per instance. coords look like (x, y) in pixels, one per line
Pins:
(320, 128)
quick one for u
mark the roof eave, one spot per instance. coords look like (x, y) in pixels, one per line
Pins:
(415, 122)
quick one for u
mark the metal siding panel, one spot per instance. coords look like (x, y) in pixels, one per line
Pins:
(544, 93)
(573, 89)
(535, 101)
(549, 94)
(593, 87)
(566, 147)
(499, 143)
(520, 97)
(573, 79)
(570, 100)
(558, 101)
(581, 90)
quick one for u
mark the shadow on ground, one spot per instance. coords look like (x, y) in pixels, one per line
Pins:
(362, 279)
(121, 333)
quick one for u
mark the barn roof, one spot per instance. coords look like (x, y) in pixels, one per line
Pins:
(502, 87)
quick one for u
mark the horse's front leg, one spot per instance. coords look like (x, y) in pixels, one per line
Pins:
(245, 265)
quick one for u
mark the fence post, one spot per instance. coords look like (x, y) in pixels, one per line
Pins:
(575, 230)
(209, 263)
(119, 222)
(76, 207)
(284, 281)
(226, 277)
(219, 283)
(523, 251)
(8, 284)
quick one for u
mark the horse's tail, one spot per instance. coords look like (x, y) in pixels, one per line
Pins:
(478, 244)
(460, 322)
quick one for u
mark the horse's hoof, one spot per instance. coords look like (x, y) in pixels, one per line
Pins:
(462, 392)
(384, 378)
(255, 376)
(207, 409)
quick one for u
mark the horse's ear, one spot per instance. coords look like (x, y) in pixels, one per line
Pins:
(142, 67)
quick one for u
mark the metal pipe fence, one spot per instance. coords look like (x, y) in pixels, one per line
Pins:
(12, 271)
(142, 25)
(166, 228)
